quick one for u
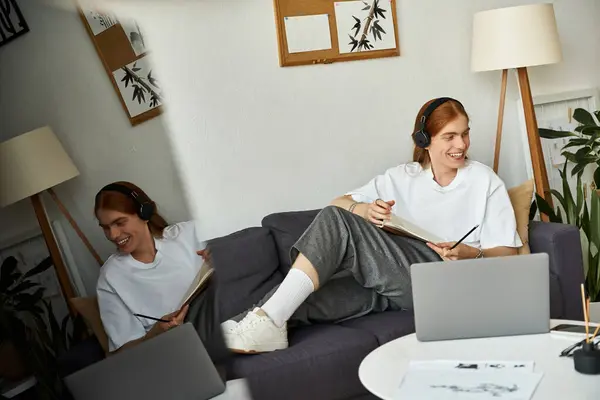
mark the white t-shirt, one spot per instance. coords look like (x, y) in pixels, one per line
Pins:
(127, 286)
(476, 196)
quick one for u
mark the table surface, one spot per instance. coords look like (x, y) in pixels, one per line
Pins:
(382, 370)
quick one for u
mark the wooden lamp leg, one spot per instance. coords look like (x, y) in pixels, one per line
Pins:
(69, 218)
(59, 265)
(500, 120)
(540, 175)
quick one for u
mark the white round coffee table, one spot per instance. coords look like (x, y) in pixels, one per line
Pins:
(382, 370)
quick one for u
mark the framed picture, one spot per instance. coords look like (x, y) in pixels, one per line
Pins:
(122, 49)
(12, 22)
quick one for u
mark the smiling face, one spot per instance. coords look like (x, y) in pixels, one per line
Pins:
(127, 231)
(449, 146)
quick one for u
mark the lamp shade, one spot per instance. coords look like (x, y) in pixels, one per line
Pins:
(514, 37)
(31, 163)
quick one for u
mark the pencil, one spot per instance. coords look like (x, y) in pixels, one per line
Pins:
(152, 318)
(585, 314)
(464, 237)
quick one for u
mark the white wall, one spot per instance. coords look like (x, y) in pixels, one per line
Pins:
(253, 138)
(53, 76)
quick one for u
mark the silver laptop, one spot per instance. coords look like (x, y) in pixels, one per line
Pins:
(496, 296)
(174, 365)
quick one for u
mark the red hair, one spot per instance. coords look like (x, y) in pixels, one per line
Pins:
(439, 118)
(117, 201)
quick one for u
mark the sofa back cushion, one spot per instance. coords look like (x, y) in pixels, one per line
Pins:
(246, 268)
(286, 228)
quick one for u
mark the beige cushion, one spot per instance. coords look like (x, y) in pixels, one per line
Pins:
(88, 308)
(521, 197)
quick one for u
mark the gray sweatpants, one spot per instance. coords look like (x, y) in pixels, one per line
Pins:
(361, 268)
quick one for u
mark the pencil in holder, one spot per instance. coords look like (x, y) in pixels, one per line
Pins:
(587, 359)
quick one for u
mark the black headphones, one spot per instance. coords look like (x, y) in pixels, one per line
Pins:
(146, 209)
(422, 138)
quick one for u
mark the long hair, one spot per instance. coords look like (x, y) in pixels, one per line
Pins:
(441, 116)
(117, 201)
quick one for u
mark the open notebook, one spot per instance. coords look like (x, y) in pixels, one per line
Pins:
(400, 226)
(198, 284)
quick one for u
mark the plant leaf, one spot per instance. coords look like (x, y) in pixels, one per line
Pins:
(569, 156)
(21, 287)
(583, 117)
(353, 42)
(38, 269)
(9, 273)
(554, 134)
(569, 202)
(588, 129)
(597, 177)
(559, 197)
(580, 198)
(545, 208)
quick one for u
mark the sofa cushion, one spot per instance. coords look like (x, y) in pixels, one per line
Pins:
(245, 265)
(385, 326)
(321, 363)
(286, 228)
(521, 197)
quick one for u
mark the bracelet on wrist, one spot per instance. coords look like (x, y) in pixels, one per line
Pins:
(352, 207)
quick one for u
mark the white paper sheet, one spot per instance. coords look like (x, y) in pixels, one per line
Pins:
(469, 379)
(468, 385)
(307, 33)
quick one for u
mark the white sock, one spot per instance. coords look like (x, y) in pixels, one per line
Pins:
(292, 292)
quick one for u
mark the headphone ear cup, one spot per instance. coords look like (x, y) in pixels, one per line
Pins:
(146, 211)
(421, 139)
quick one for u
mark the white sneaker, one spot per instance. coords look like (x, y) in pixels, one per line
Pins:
(256, 333)
(228, 325)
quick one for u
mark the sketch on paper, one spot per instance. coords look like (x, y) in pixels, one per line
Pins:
(367, 24)
(12, 22)
(134, 35)
(488, 388)
(138, 87)
(99, 21)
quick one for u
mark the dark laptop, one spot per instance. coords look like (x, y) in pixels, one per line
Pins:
(174, 365)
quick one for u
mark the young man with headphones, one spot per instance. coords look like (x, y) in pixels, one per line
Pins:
(441, 191)
(153, 267)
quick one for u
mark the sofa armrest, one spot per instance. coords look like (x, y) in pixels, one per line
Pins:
(79, 356)
(563, 245)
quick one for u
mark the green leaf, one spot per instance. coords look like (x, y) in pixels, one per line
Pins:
(578, 169)
(588, 129)
(569, 202)
(545, 208)
(569, 156)
(580, 198)
(595, 219)
(576, 142)
(597, 177)
(553, 134)
(583, 117)
(21, 287)
(9, 273)
(38, 269)
(559, 197)
(597, 114)
(585, 220)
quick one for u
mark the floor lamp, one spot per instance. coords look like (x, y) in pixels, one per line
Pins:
(517, 38)
(30, 164)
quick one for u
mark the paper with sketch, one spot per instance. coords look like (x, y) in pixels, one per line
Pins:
(401, 226)
(466, 384)
(307, 33)
(198, 284)
(493, 365)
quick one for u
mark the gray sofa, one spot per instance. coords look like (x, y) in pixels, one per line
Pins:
(322, 360)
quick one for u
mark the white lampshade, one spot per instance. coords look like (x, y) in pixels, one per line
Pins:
(31, 163)
(514, 37)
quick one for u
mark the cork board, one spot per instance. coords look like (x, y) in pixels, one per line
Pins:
(327, 31)
(122, 50)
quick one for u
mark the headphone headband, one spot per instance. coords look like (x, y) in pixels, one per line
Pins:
(421, 137)
(146, 208)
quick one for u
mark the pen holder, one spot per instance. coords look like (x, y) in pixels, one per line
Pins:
(587, 359)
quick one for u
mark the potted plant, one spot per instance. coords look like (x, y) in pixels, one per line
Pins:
(581, 207)
(28, 340)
